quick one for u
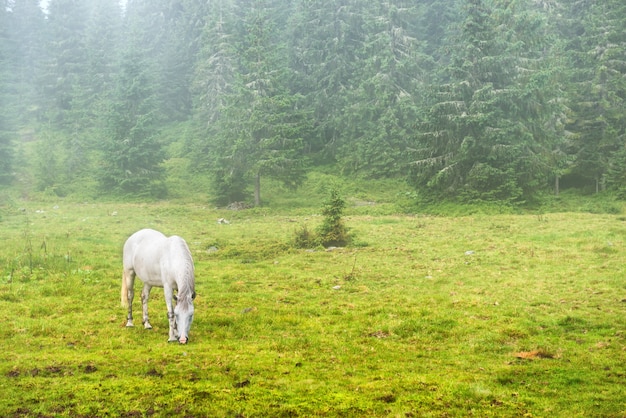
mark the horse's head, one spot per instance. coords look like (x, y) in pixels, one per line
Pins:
(184, 317)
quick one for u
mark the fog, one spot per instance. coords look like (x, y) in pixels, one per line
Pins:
(475, 100)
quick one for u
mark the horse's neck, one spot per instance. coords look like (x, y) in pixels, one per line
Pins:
(186, 280)
(185, 288)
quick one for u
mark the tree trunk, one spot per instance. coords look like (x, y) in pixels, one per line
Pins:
(556, 185)
(600, 184)
(257, 189)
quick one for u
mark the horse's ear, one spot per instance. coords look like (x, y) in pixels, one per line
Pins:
(193, 295)
(175, 298)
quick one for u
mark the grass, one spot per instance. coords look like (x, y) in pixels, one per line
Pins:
(504, 315)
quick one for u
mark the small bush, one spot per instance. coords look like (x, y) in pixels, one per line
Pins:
(304, 238)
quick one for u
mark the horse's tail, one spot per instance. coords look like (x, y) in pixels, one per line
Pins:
(124, 291)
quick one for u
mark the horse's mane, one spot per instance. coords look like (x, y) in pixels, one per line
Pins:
(186, 286)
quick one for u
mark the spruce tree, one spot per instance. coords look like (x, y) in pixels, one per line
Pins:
(130, 153)
(596, 57)
(332, 231)
(384, 103)
(24, 44)
(6, 146)
(261, 127)
(489, 130)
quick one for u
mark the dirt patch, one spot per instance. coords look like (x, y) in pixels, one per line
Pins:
(21, 412)
(154, 373)
(389, 398)
(534, 354)
(90, 368)
(54, 370)
(242, 384)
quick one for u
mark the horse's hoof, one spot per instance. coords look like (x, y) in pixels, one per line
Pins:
(147, 326)
(129, 324)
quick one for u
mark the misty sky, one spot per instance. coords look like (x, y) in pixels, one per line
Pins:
(44, 3)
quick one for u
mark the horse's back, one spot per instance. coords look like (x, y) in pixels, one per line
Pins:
(142, 247)
(156, 258)
(144, 235)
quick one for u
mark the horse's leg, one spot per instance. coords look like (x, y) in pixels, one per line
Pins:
(129, 279)
(169, 294)
(145, 295)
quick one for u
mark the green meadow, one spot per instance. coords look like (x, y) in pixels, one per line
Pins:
(421, 316)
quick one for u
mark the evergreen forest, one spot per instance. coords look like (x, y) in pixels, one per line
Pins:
(465, 100)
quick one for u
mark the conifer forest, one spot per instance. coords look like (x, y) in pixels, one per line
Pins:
(468, 100)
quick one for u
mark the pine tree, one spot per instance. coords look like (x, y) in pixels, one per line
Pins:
(324, 43)
(332, 231)
(6, 146)
(385, 101)
(66, 69)
(101, 44)
(261, 128)
(130, 154)
(489, 132)
(216, 66)
(26, 53)
(596, 54)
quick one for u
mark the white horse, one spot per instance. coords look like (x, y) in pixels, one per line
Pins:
(162, 262)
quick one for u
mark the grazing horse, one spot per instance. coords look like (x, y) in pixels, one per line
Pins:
(162, 262)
